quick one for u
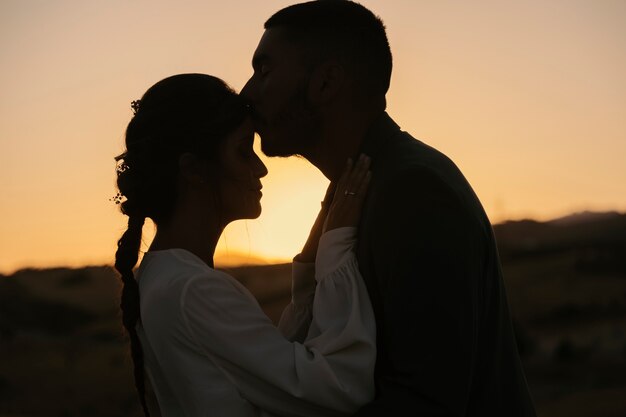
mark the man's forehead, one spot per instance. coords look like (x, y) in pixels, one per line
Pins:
(274, 43)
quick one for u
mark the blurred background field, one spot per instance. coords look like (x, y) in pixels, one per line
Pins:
(62, 352)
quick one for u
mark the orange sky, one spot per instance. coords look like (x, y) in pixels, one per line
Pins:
(527, 97)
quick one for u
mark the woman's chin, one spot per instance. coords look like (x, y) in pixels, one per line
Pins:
(257, 213)
(248, 214)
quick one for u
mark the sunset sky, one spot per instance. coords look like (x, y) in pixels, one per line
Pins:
(527, 97)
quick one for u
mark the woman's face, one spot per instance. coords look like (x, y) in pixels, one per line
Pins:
(240, 175)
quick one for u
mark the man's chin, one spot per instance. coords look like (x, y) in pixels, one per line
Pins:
(275, 148)
(271, 152)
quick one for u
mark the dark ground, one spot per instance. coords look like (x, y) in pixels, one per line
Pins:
(62, 352)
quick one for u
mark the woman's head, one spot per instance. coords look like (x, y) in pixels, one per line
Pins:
(189, 144)
(190, 134)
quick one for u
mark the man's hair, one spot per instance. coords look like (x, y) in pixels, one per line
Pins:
(344, 30)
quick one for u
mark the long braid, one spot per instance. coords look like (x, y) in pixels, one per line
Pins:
(180, 114)
(125, 260)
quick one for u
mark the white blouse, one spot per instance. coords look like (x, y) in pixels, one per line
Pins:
(210, 350)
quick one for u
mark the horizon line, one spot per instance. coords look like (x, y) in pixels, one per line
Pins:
(246, 259)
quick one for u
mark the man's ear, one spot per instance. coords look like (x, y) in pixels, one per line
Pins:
(191, 169)
(326, 81)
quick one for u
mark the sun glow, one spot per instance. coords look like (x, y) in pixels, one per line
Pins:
(527, 98)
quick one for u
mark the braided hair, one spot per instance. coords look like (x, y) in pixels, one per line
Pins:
(182, 113)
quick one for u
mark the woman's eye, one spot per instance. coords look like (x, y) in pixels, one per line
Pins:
(265, 69)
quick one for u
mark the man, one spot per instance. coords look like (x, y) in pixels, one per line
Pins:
(426, 248)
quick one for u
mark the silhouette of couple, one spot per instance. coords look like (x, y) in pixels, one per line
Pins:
(398, 304)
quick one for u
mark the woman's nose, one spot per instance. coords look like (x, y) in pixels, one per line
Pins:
(260, 169)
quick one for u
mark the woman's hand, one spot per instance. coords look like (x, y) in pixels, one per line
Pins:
(345, 210)
(309, 251)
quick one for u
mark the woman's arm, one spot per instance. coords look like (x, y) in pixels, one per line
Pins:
(346, 206)
(296, 317)
(329, 374)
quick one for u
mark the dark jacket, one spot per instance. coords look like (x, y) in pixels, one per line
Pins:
(427, 253)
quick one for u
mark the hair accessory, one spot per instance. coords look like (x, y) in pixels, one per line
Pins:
(117, 198)
(135, 105)
(350, 193)
(122, 166)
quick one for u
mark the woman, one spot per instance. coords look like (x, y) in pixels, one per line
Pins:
(207, 346)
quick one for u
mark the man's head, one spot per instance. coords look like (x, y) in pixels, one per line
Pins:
(311, 56)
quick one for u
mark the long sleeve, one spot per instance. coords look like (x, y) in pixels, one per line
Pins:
(331, 373)
(296, 317)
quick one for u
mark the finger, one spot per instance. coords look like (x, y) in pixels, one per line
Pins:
(341, 184)
(346, 208)
(361, 191)
(345, 175)
(358, 175)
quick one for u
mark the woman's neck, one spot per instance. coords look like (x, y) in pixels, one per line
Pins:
(196, 235)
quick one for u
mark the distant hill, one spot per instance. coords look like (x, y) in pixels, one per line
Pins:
(578, 231)
(565, 279)
(585, 217)
(232, 259)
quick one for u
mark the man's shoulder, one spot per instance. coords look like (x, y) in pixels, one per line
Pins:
(413, 163)
(411, 172)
